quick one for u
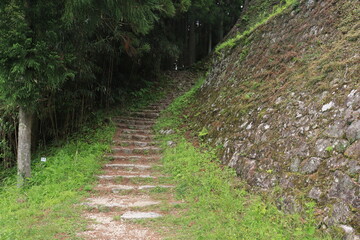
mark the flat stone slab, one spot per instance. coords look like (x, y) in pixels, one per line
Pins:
(134, 126)
(131, 150)
(116, 188)
(136, 143)
(137, 136)
(143, 187)
(154, 186)
(134, 130)
(119, 188)
(140, 215)
(110, 177)
(135, 157)
(137, 166)
(105, 227)
(120, 201)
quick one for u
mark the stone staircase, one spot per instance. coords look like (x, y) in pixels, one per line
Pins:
(123, 191)
(118, 199)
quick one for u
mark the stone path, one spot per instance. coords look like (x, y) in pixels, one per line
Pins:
(123, 191)
(131, 186)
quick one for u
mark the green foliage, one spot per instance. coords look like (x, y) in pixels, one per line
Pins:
(45, 209)
(172, 115)
(30, 67)
(276, 11)
(204, 131)
(217, 206)
(138, 15)
(329, 148)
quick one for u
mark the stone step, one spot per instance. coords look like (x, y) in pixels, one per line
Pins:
(134, 126)
(156, 108)
(160, 104)
(149, 111)
(137, 131)
(136, 150)
(135, 143)
(140, 215)
(135, 121)
(104, 227)
(140, 137)
(128, 166)
(127, 176)
(145, 115)
(159, 107)
(135, 158)
(116, 188)
(120, 201)
(143, 187)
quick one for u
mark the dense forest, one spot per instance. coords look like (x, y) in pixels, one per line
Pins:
(179, 119)
(62, 60)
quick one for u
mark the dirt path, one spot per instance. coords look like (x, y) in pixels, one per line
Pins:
(131, 186)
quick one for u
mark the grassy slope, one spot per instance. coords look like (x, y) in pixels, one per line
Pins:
(279, 9)
(46, 208)
(217, 206)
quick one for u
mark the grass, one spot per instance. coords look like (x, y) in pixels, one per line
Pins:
(45, 208)
(217, 206)
(276, 12)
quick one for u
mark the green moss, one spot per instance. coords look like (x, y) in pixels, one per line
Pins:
(329, 149)
(279, 9)
(315, 80)
(203, 132)
(244, 54)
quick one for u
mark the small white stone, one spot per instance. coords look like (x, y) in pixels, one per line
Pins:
(347, 229)
(121, 188)
(243, 125)
(140, 215)
(249, 126)
(266, 127)
(352, 93)
(153, 186)
(327, 106)
(278, 100)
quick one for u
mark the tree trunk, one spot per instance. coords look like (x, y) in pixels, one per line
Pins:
(221, 28)
(34, 133)
(185, 50)
(210, 39)
(246, 6)
(24, 146)
(192, 42)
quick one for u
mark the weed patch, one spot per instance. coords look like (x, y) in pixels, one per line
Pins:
(46, 207)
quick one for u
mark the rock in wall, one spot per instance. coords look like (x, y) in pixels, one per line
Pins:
(283, 105)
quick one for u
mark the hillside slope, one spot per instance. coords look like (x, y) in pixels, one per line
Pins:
(282, 103)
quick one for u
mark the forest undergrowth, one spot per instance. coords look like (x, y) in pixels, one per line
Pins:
(48, 206)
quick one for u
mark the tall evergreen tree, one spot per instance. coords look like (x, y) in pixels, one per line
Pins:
(38, 51)
(31, 65)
